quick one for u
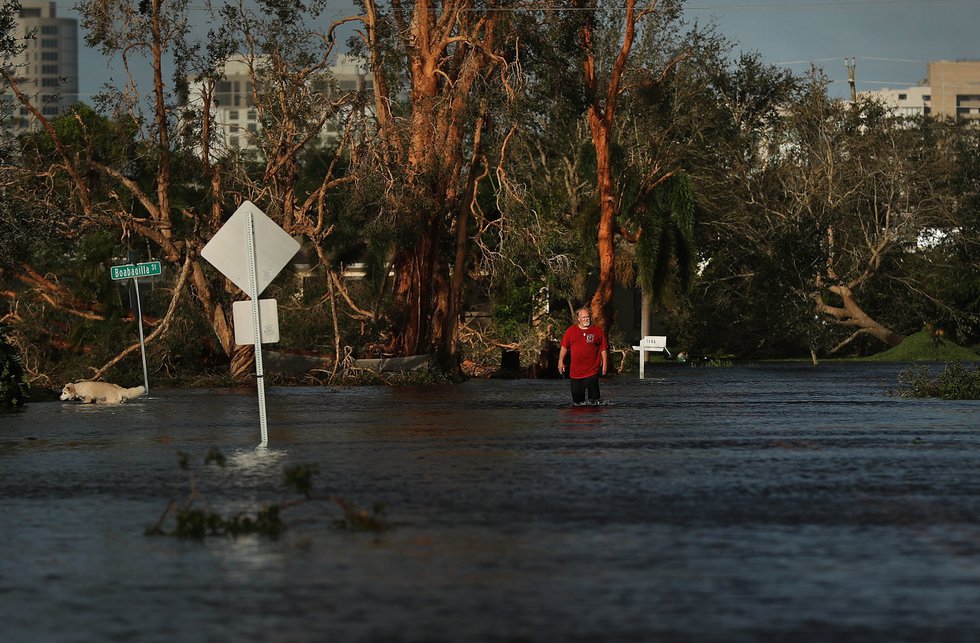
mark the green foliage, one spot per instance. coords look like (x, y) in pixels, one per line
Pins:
(747, 201)
(665, 252)
(198, 524)
(193, 518)
(956, 382)
(513, 306)
(13, 383)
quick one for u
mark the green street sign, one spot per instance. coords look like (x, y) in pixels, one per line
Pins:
(130, 271)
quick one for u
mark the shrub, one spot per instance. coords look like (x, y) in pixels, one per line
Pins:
(13, 383)
(955, 382)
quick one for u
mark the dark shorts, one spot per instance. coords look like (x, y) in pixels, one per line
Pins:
(585, 385)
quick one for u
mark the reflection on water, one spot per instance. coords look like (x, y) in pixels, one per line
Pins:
(747, 503)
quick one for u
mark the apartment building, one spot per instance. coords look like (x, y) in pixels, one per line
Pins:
(46, 69)
(235, 116)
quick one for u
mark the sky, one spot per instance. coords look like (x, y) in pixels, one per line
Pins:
(891, 41)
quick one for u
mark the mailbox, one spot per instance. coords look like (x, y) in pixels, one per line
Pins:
(652, 344)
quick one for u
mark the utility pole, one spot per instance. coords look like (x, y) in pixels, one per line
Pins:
(851, 64)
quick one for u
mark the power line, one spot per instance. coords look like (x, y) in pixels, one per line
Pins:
(822, 4)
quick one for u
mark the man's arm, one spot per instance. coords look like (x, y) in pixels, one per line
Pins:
(605, 361)
(561, 359)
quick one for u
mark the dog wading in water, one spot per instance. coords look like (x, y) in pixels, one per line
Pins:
(100, 392)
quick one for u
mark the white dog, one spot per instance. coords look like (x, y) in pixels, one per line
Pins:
(100, 392)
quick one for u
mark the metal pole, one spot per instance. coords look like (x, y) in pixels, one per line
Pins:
(256, 322)
(139, 315)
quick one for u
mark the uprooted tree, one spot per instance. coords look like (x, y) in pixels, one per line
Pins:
(155, 172)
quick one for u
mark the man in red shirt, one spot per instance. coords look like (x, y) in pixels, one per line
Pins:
(590, 357)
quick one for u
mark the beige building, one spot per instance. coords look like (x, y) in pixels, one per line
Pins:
(955, 88)
(47, 68)
(235, 117)
(952, 90)
(907, 101)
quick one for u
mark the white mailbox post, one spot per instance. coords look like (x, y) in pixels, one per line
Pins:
(651, 344)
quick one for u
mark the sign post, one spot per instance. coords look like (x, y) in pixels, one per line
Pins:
(252, 266)
(135, 271)
(253, 293)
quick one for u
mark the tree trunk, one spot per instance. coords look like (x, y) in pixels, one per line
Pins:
(242, 362)
(602, 116)
(443, 70)
(645, 313)
(603, 311)
(414, 265)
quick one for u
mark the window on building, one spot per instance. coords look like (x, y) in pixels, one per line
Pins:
(49, 55)
(926, 97)
(253, 128)
(50, 110)
(49, 69)
(233, 115)
(49, 43)
(50, 82)
(234, 142)
(30, 12)
(967, 105)
(903, 97)
(222, 93)
(252, 115)
(49, 30)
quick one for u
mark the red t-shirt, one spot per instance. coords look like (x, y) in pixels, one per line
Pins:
(586, 347)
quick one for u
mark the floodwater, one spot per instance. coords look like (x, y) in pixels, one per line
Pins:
(752, 503)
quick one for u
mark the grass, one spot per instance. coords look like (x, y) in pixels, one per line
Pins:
(924, 347)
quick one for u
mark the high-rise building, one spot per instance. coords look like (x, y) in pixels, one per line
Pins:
(235, 116)
(46, 70)
(955, 88)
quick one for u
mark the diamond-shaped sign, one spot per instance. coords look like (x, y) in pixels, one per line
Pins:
(228, 252)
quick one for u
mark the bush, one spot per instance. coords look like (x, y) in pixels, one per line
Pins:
(13, 383)
(956, 382)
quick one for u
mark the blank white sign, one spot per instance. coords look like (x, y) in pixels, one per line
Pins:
(268, 315)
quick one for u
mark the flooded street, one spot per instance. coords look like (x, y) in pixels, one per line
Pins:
(752, 503)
